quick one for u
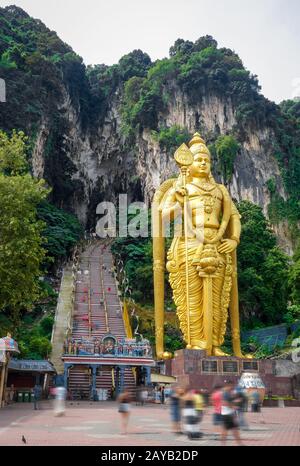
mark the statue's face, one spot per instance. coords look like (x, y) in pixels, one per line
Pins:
(201, 166)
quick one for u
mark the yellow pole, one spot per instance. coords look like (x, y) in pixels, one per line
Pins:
(184, 158)
(185, 206)
(207, 313)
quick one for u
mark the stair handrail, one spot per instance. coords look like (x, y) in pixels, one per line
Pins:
(103, 295)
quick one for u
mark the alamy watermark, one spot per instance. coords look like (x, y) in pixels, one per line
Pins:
(136, 220)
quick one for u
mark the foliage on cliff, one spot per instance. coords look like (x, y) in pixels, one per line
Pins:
(61, 233)
(37, 67)
(21, 251)
(224, 151)
(43, 75)
(263, 271)
(287, 152)
(33, 234)
(35, 63)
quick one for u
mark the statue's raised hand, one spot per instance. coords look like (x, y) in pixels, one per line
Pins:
(227, 246)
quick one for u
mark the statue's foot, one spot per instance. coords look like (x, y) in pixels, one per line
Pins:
(198, 345)
(218, 352)
(166, 355)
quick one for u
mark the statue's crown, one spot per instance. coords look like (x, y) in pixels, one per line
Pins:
(197, 145)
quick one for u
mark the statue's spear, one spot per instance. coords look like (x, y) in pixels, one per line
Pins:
(184, 159)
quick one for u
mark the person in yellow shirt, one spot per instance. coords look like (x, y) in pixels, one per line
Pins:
(199, 404)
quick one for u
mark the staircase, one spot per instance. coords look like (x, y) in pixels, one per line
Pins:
(79, 382)
(97, 311)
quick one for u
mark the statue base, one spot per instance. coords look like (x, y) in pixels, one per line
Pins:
(195, 370)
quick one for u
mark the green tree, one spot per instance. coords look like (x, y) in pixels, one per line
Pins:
(13, 153)
(184, 47)
(171, 138)
(46, 325)
(262, 270)
(39, 347)
(136, 254)
(135, 63)
(61, 232)
(6, 61)
(225, 149)
(294, 278)
(21, 251)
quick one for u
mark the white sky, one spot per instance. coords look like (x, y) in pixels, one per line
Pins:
(265, 33)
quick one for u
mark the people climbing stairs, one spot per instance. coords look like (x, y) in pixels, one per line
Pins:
(97, 312)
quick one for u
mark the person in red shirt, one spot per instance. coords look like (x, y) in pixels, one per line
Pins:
(216, 401)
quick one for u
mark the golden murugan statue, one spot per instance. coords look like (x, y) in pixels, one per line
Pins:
(202, 261)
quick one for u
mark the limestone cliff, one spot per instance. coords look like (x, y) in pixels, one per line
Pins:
(106, 167)
(75, 118)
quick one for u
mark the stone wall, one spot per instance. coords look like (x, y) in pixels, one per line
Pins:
(195, 370)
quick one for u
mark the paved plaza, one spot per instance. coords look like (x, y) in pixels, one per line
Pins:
(96, 424)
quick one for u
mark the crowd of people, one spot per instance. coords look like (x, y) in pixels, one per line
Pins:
(96, 347)
(229, 404)
(188, 408)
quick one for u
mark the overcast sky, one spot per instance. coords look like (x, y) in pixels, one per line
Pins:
(265, 33)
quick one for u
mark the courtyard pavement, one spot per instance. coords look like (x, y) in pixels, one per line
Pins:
(96, 424)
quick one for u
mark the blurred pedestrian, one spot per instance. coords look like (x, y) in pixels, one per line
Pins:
(255, 402)
(144, 396)
(205, 394)
(11, 393)
(228, 411)
(216, 401)
(59, 402)
(124, 409)
(241, 404)
(162, 395)
(37, 394)
(199, 405)
(175, 407)
(157, 395)
(168, 392)
(190, 417)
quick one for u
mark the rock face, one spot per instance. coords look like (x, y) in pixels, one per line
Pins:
(73, 116)
(106, 167)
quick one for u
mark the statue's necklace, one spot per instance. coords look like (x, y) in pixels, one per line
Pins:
(208, 187)
(210, 199)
